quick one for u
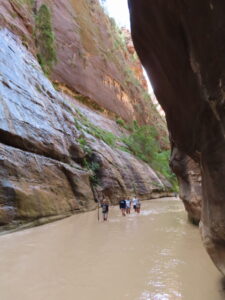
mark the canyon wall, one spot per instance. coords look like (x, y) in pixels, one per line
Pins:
(94, 57)
(60, 143)
(181, 45)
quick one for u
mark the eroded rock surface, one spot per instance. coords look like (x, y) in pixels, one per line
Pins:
(39, 177)
(190, 183)
(181, 44)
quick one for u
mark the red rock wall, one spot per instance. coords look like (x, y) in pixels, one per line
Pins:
(92, 58)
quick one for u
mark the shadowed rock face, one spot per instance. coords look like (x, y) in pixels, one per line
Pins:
(189, 178)
(181, 44)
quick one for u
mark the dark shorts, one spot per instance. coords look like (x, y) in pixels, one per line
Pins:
(134, 207)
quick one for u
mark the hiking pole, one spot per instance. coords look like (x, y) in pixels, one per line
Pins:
(98, 211)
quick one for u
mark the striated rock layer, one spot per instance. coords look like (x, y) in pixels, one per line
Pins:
(43, 174)
(181, 44)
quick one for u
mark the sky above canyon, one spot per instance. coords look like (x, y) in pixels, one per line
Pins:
(118, 9)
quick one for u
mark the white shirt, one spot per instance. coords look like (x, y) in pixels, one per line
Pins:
(128, 203)
(135, 201)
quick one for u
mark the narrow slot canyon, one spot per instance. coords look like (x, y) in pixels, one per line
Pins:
(106, 105)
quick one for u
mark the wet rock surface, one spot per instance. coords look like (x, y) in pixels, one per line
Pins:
(181, 46)
(42, 175)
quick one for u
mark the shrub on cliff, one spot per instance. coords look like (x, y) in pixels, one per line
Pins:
(143, 142)
(26, 2)
(45, 39)
(101, 134)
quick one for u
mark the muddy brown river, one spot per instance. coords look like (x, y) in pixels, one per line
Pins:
(156, 255)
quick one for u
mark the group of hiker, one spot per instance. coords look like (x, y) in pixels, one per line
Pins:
(125, 207)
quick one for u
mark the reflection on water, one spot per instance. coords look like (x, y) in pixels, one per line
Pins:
(156, 255)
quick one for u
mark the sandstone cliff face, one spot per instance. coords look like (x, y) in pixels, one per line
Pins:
(38, 144)
(43, 174)
(16, 15)
(181, 45)
(91, 62)
(94, 57)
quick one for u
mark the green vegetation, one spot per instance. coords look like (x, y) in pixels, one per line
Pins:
(88, 101)
(117, 35)
(88, 162)
(30, 3)
(120, 122)
(120, 54)
(94, 167)
(84, 145)
(119, 42)
(143, 142)
(125, 125)
(131, 78)
(84, 124)
(45, 39)
(161, 164)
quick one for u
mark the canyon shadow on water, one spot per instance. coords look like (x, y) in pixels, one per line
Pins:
(151, 256)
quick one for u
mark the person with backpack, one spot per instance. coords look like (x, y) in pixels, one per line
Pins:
(122, 205)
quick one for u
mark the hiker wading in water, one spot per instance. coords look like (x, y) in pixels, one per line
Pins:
(123, 207)
(128, 205)
(136, 205)
(105, 209)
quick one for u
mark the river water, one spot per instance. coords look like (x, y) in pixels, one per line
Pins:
(151, 256)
